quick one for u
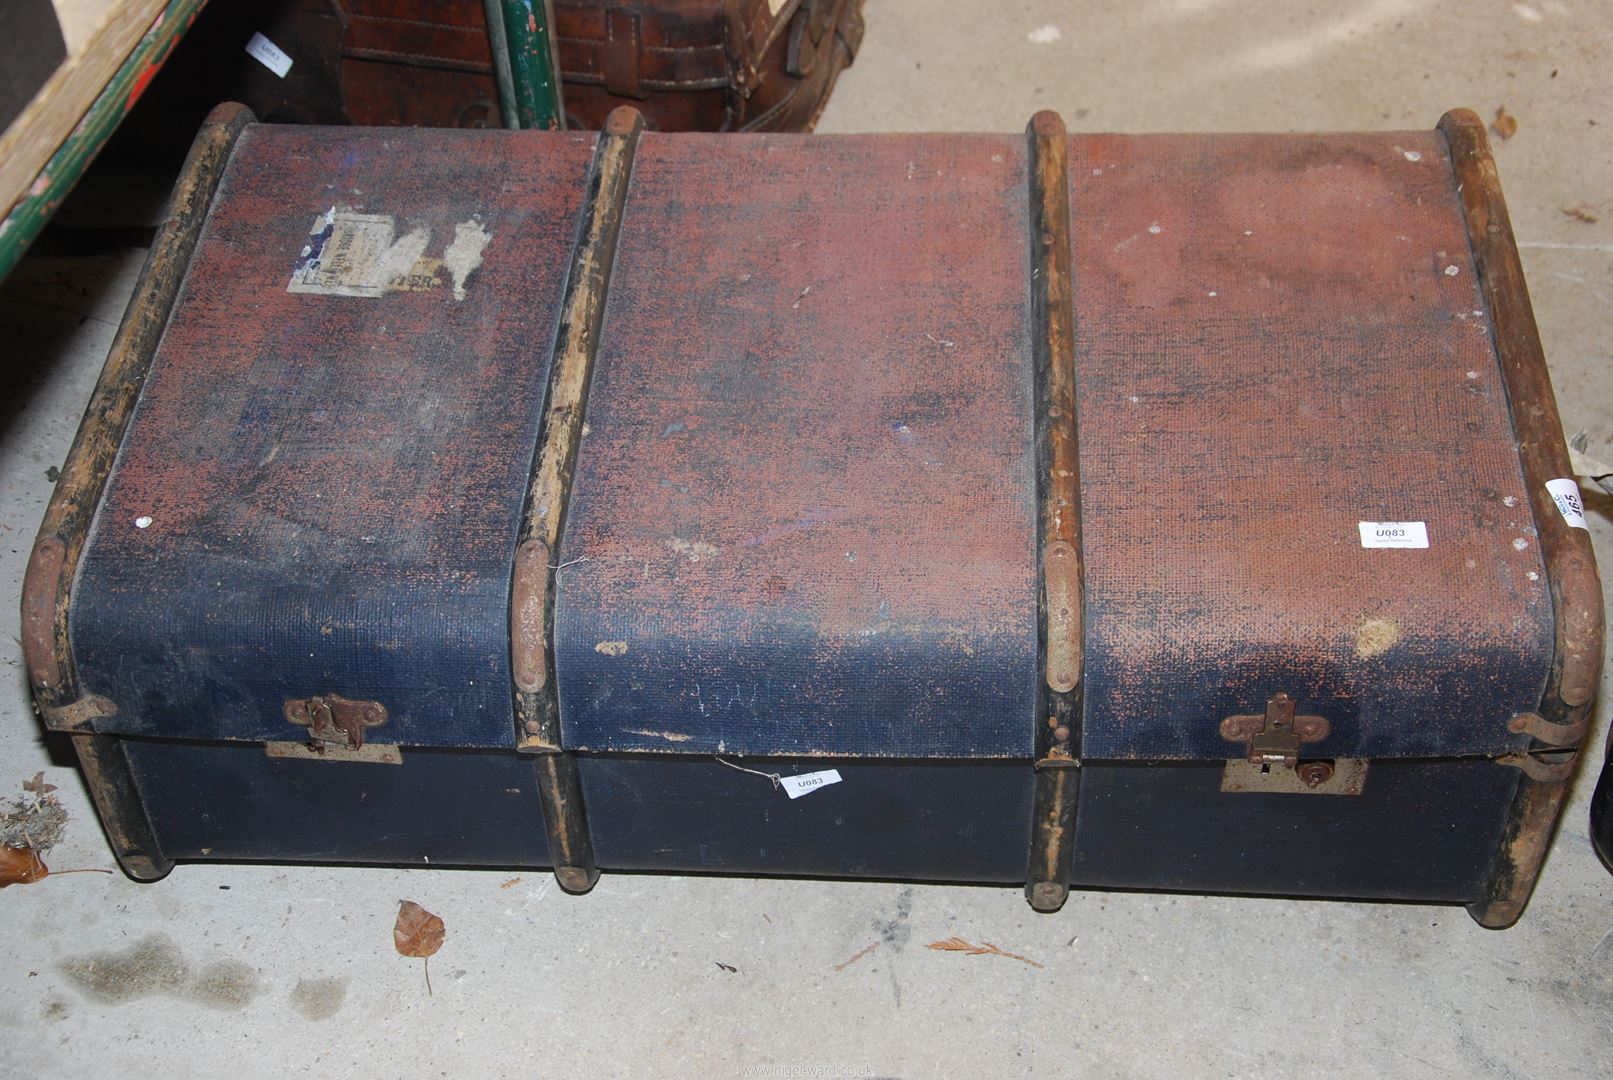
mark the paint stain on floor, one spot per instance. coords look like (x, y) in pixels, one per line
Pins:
(156, 966)
(319, 999)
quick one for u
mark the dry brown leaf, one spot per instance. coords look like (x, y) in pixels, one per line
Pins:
(20, 866)
(1582, 213)
(418, 933)
(511, 883)
(1505, 125)
(37, 785)
(985, 948)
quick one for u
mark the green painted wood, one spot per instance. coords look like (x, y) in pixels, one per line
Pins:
(28, 217)
(534, 69)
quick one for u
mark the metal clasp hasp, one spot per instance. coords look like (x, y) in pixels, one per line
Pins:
(1275, 737)
(1271, 764)
(332, 719)
(1271, 761)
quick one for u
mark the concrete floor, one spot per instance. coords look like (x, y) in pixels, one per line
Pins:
(264, 971)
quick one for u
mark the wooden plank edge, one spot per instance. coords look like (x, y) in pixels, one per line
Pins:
(27, 216)
(46, 121)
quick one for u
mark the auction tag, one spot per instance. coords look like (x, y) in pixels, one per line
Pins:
(1394, 534)
(1565, 493)
(807, 783)
(268, 54)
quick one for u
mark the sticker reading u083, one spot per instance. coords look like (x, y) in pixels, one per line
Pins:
(1394, 534)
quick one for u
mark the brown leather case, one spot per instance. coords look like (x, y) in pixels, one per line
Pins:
(424, 63)
(706, 65)
(687, 65)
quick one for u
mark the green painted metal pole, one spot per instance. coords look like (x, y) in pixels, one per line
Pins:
(25, 220)
(531, 64)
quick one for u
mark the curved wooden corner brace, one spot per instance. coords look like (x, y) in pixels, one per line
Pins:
(537, 707)
(1059, 488)
(1560, 723)
(48, 582)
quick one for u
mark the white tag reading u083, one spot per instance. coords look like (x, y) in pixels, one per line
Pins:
(807, 783)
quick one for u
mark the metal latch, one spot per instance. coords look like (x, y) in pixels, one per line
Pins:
(335, 720)
(1271, 762)
(1275, 737)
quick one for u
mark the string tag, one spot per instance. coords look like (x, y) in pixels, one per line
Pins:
(794, 786)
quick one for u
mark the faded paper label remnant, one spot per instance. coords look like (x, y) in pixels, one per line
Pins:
(354, 254)
(465, 253)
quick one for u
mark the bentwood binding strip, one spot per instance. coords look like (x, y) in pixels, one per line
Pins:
(1059, 481)
(532, 590)
(47, 586)
(1563, 720)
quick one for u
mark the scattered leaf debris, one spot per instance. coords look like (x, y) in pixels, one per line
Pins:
(35, 821)
(985, 948)
(1505, 125)
(510, 884)
(858, 955)
(1582, 213)
(731, 969)
(418, 933)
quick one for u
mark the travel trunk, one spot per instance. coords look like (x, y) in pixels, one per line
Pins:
(1150, 512)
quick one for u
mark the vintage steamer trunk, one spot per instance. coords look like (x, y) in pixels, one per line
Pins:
(1168, 512)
